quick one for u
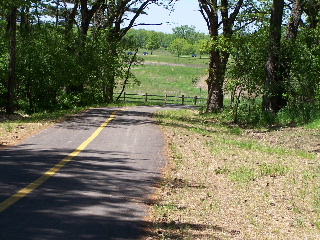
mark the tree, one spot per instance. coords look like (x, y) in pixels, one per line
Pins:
(202, 46)
(312, 10)
(138, 36)
(153, 41)
(12, 28)
(278, 65)
(273, 98)
(178, 46)
(10, 9)
(114, 15)
(188, 33)
(224, 14)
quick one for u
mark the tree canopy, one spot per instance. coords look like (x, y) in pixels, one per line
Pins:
(263, 58)
(76, 52)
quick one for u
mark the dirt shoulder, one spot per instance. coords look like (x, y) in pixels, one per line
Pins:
(12, 131)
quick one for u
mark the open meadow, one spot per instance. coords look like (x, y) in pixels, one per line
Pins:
(163, 73)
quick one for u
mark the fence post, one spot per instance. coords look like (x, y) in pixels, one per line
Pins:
(195, 100)
(146, 97)
(124, 96)
(182, 99)
(166, 98)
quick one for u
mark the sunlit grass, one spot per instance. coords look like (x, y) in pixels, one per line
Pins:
(162, 55)
(171, 80)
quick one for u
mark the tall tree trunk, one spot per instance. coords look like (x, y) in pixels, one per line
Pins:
(109, 86)
(295, 19)
(12, 24)
(86, 16)
(71, 18)
(273, 99)
(217, 69)
(57, 12)
(218, 59)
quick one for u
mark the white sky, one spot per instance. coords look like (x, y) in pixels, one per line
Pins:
(185, 13)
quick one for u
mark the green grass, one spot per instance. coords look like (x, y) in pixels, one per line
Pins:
(254, 146)
(243, 174)
(314, 124)
(273, 170)
(164, 56)
(171, 80)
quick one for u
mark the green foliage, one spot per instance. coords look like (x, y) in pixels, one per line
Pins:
(145, 38)
(245, 75)
(188, 33)
(303, 83)
(180, 46)
(153, 41)
(40, 69)
(138, 36)
(202, 47)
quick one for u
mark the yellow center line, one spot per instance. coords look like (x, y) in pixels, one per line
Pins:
(32, 186)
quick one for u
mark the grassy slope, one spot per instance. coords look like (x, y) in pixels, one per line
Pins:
(169, 79)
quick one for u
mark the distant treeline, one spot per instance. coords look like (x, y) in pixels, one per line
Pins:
(184, 40)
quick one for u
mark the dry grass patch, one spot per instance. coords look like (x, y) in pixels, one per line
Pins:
(15, 127)
(13, 130)
(228, 183)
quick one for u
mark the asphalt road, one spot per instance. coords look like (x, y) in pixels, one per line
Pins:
(100, 194)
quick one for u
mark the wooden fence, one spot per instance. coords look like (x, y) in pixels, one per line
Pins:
(184, 100)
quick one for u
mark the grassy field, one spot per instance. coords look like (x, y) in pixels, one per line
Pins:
(165, 56)
(172, 80)
(163, 73)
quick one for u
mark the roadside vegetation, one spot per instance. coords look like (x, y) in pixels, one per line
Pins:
(224, 181)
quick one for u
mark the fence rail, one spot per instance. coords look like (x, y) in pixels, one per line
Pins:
(131, 97)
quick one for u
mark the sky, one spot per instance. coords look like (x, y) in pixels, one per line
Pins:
(185, 13)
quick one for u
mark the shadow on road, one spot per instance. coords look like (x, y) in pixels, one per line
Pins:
(88, 199)
(100, 194)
